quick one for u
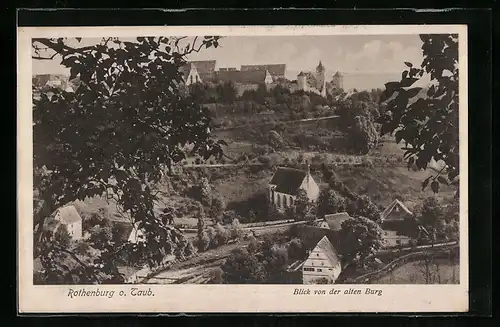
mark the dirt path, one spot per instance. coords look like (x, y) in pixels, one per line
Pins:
(197, 269)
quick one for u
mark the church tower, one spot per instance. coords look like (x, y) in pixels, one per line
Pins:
(320, 79)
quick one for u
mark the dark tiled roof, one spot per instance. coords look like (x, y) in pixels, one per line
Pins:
(275, 70)
(288, 180)
(205, 68)
(335, 220)
(244, 77)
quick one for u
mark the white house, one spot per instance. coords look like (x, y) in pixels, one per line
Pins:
(396, 211)
(286, 183)
(323, 263)
(69, 216)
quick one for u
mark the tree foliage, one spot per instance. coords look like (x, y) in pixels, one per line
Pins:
(242, 267)
(359, 238)
(427, 123)
(330, 201)
(116, 134)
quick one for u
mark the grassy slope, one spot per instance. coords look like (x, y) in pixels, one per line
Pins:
(413, 273)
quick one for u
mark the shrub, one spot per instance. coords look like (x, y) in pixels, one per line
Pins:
(203, 242)
(236, 230)
(221, 235)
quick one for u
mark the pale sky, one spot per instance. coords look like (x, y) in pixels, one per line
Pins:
(377, 55)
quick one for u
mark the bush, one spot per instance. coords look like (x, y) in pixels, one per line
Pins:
(203, 243)
(221, 235)
(236, 230)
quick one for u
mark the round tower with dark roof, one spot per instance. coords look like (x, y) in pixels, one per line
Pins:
(338, 81)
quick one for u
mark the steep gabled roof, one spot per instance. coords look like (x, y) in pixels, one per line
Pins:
(390, 208)
(338, 74)
(69, 214)
(301, 73)
(335, 220)
(288, 180)
(326, 246)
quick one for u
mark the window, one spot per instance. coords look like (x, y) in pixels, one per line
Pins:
(192, 79)
(317, 254)
(319, 270)
(322, 263)
(291, 201)
(197, 78)
(308, 269)
(284, 200)
(272, 197)
(278, 200)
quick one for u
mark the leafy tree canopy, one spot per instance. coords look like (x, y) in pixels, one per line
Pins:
(427, 123)
(120, 130)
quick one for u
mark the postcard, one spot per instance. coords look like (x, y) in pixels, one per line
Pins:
(242, 169)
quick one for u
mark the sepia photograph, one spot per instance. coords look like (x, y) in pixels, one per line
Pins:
(293, 158)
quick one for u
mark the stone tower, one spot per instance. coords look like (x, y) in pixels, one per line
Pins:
(302, 81)
(338, 81)
(320, 79)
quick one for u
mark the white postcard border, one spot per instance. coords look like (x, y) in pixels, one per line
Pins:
(226, 298)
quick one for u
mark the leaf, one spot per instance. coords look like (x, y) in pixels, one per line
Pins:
(409, 64)
(442, 180)
(398, 135)
(426, 182)
(408, 82)
(435, 186)
(411, 161)
(413, 92)
(73, 72)
(392, 86)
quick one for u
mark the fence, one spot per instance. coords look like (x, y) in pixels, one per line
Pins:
(413, 256)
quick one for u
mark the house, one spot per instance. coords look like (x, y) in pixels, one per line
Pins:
(71, 218)
(323, 263)
(320, 223)
(395, 216)
(198, 71)
(277, 71)
(310, 82)
(286, 183)
(190, 74)
(250, 77)
(335, 220)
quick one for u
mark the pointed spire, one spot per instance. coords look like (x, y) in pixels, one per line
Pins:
(320, 67)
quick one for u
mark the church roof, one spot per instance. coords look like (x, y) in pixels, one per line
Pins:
(301, 74)
(288, 180)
